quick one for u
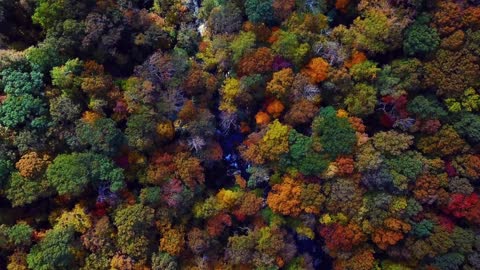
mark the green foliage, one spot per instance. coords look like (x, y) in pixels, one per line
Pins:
(71, 173)
(302, 157)
(20, 234)
(63, 110)
(23, 110)
(66, 77)
(449, 261)
(289, 46)
(337, 137)
(426, 108)
(423, 229)
(163, 261)
(140, 131)
(408, 164)
(6, 167)
(372, 32)
(464, 240)
(44, 56)
(468, 126)
(150, 195)
(259, 11)
(17, 83)
(21, 191)
(364, 71)
(101, 136)
(420, 38)
(54, 252)
(402, 75)
(241, 44)
(362, 100)
(48, 13)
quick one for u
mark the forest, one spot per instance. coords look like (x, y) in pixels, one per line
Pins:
(239, 134)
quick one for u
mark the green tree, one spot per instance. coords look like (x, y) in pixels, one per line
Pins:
(54, 252)
(18, 82)
(337, 137)
(6, 167)
(101, 136)
(163, 261)
(23, 110)
(259, 11)
(468, 126)
(71, 173)
(45, 55)
(426, 108)
(20, 234)
(21, 191)
(364, 71)
(302, 156)
(241, 44)
(420, 38)
(289, 46)
(140, 131)
(67, 77)
(362, 101)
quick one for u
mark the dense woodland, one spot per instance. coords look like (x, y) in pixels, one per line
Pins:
(231, 134)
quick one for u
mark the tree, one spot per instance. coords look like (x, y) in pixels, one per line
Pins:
(241, 44)
(259, 11)
(316, 70)
(443, 17)
(225, 19)
(134, 224)
(139, 94)
(101, 136)
(426, 108)
(258, 61)
(230, 91)
(378, 31)
(32, 165)
(452, 72)
(18, 235)
(6, 167)
(301, 112)
(284, 198)
(445, 142)
(140, 131)
(163, 261)
(302, 156)
(366, 71)
(23, 110)
(337, 137)
(468, 125)
(21, 191)
(287, 44)
(392, 142)
(53, 252)
(280, 84)
(64, 110)
(340, 237)
(275, 141)
(71, 173)
(362, 100)
(20, 82)
(419, 38)
(189, 169)
(172, 242)
(67, 77)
